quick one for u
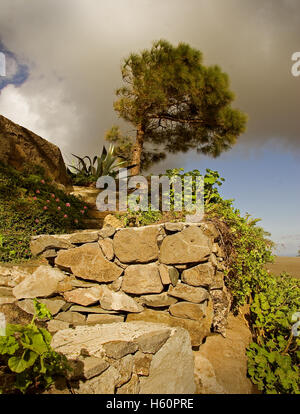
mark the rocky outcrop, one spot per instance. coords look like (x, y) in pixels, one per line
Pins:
(18, 146)
(128, 358)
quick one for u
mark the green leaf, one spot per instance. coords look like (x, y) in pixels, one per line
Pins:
(19, 364)
(8, 345)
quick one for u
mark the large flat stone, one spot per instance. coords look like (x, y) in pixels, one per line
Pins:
(43, 282)
(136, 245)
(141, 279)
(196, 329)
(190, 245)
(169, 371)
(188, 293)
(88, 262)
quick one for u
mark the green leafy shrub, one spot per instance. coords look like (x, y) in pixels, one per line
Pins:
(211, 195)
(31, 205)
(27, 361)
(274, 357)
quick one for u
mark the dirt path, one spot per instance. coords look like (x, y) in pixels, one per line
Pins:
(221, 363)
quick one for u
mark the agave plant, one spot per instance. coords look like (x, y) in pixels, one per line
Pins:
(107, 164)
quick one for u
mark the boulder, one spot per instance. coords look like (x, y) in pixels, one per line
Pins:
(18, 146)
(141, 279)
(188, 293)
(190, 245)
(137, 245)
(88, 262)
(201, 275)
(43, 282)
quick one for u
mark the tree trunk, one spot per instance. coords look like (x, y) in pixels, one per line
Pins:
(137, 151)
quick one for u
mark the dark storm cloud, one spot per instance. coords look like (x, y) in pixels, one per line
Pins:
(74, 49)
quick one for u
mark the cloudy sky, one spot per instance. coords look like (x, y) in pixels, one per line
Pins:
(63, 66)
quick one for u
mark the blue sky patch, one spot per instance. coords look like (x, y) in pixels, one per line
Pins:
(16, 72)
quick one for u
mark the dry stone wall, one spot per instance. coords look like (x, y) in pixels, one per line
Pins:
(171, 273)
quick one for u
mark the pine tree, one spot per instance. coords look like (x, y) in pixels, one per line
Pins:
(175, 104)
